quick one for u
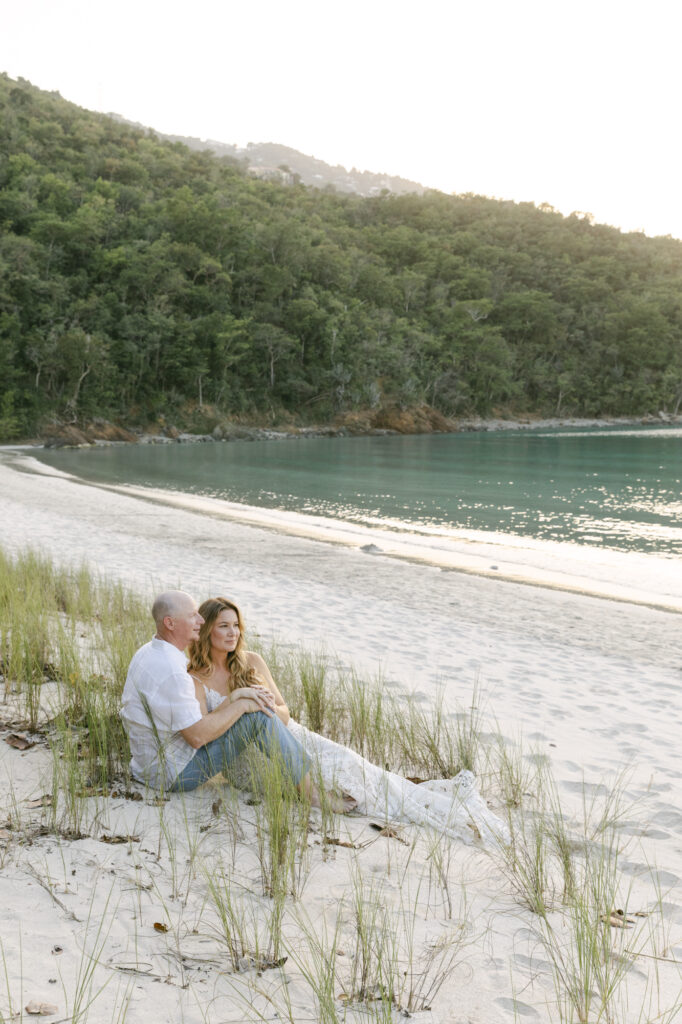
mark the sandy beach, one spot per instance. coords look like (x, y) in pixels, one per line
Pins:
(584, 670)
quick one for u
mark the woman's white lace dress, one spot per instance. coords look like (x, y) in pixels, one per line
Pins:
(451, 806)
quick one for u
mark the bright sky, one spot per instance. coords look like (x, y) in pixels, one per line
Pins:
(571, 102)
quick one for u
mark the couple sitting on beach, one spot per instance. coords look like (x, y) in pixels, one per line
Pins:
(188, 722)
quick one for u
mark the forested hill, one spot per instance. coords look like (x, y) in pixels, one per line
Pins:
(140, 279)
(281, 163)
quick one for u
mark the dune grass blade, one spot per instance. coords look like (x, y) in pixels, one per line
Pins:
(281, 829)
(249, 927)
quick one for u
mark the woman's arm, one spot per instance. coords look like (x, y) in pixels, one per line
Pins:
(263, 672)
(215, 723)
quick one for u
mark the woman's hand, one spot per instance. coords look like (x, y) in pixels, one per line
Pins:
(247, 705)
(258, 695)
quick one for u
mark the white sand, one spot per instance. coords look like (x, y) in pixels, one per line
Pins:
(592, 683)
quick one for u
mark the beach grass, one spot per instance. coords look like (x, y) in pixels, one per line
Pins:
(66, 638)
(282, 819)
(587, 953)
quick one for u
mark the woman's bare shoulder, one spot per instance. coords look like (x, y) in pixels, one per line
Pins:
(201, 675)
(254, 659)
(258, 665)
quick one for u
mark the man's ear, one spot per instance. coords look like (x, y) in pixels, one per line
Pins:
(168, 621)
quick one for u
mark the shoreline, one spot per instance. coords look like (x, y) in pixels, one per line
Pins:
(152, 545)
(519, 560)
(104, 432)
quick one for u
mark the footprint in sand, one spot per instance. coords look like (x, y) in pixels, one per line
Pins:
(646, 871)
(419, 697)
(532, 963)
(637, 727)
(516, 1007)
(658, 787)
(538, 759)
(393, 684)
(668, 818)
(588, 788)
(672, 912)
(636, 828)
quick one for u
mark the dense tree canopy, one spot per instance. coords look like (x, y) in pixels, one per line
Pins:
(137, 276)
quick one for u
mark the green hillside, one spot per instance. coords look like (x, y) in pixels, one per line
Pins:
(140, 279)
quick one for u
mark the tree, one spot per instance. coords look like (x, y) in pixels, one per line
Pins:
(273, 344)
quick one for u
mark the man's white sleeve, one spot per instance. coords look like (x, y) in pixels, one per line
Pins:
(174, 705)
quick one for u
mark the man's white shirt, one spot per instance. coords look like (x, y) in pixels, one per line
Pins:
(158, 701)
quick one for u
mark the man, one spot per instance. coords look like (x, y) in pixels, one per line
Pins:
(176, 748)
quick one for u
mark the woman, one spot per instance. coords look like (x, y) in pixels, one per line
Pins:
(224, 670)
(221, 666)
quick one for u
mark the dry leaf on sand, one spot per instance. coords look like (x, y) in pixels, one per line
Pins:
(40, 1009)
(18, 741)
(617, 919)
(389, 832)
(126, 794)
(43, 801)
(158, 927)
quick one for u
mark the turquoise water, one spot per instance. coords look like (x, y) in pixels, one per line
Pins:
(620, 489)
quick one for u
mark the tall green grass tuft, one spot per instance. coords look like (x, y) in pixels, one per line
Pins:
(248, 927)
(282, 818)
(589, 957)
(66, 638)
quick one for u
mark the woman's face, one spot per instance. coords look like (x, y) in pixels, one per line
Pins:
(225, 632)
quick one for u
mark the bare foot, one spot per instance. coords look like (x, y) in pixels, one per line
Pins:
(339, 803)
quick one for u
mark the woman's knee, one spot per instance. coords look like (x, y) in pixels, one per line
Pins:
(267, 723)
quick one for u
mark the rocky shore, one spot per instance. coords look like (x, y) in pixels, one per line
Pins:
(386, 421)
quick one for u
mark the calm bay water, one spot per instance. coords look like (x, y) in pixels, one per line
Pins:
(614, 488)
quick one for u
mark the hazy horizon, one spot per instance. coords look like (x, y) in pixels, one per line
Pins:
(574, 106)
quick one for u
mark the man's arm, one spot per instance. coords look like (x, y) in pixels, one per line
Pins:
(215, 723)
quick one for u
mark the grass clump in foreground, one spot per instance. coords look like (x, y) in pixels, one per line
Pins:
(66, 637)
(394, 933)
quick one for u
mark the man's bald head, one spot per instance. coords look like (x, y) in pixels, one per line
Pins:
(172, 603)
(177, 618)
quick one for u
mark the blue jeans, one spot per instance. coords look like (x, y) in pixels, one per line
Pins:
(268, 734)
